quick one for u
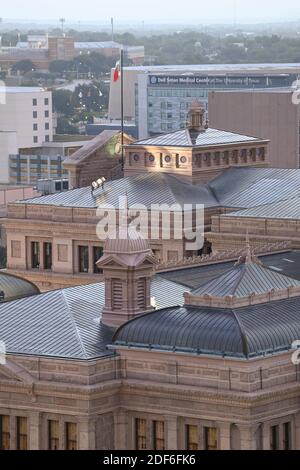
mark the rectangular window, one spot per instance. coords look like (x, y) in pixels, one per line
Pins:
(192, 437)
(34, 102)
(4, 432)
(35, 114)
(83, 253)
(46, 114)
(210, 438)
(21, 433)
(274, 444)
(47, 138)
(158, 435)
(140, 434)
(287, 436)
(47, 126)
(35, 139)
(97, 254)
(53, 435)
(47, 255)
(71, 436)
(35, 127)
(35, 255)
(46, 101)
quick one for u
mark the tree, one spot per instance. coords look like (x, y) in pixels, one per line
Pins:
(24, 66)
(60, 66)
(65, 127)
(63, 102)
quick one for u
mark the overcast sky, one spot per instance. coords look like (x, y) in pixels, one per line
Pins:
(153, 10)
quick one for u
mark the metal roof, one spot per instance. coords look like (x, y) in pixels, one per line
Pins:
(247, 332)
(66, 323)
(186, 138)
(147, 189)
(90, 146)
(98, 45)
(15, 287)
(289, 209)
(245, 279)
(235, 188)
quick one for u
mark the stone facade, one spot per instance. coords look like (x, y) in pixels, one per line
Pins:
(242, 400)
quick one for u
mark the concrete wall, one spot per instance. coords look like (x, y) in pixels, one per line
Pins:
(269, 115)
(8, 146)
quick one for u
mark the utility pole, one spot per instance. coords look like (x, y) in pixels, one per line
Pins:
(122, 106)
(62, 21)
(112, 29)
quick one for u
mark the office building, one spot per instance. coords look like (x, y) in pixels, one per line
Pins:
(158, 97)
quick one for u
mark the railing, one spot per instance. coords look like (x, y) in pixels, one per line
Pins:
(223, 256)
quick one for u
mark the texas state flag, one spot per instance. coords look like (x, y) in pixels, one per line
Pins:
(117, 71)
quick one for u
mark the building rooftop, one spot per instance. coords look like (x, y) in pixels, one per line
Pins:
(246, 68)
(235, 188)
(66, 323)
(15, 287)
(289, 209)
(188, 138)
(244, 333)
(21, 89)
(98, 45)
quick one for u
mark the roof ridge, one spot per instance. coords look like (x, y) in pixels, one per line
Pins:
(242, 268)
(62, 292)
(243, 333)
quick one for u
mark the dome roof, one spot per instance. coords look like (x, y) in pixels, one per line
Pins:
(127, 241)
(245, 333)
(14, 287)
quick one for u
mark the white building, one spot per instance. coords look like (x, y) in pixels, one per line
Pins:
(25, 122)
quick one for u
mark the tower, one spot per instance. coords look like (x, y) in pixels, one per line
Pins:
(196, 117)
(128, 266)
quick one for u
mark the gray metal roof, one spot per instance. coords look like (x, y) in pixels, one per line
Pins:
(235, 188)
(66, 323)
(186, 138)
(247, 332)
(245, 279)
(289, 209)
(90, 146)
(147, 189)
(251, 187)
(15, 287)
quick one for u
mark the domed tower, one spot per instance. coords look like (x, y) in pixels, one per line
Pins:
(196, 117)
(128, 265)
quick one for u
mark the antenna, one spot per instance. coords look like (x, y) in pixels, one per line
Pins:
(62, 21)
(112, 29)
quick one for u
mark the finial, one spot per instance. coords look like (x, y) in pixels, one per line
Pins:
(248, 259)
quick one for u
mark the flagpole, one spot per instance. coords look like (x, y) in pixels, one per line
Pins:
(122, 106)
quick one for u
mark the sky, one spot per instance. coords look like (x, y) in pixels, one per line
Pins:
(149, 11)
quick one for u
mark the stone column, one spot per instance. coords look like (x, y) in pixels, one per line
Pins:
(171, 433)
(34, 431)
(266, 436)
(224, 436)
(121, 430)
(248, 439)
(87, 434)
(296, 439)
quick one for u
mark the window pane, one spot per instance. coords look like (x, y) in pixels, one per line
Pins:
(274, 437)
(141, 434)
(97, 254)
(35, 255)
(192, 437)
(71, 436)
(83, 259)
(287, 436)
(53, 431)
(211, 440)
(4, 432)
(159, 435)
(21, 433)
(47, 255)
